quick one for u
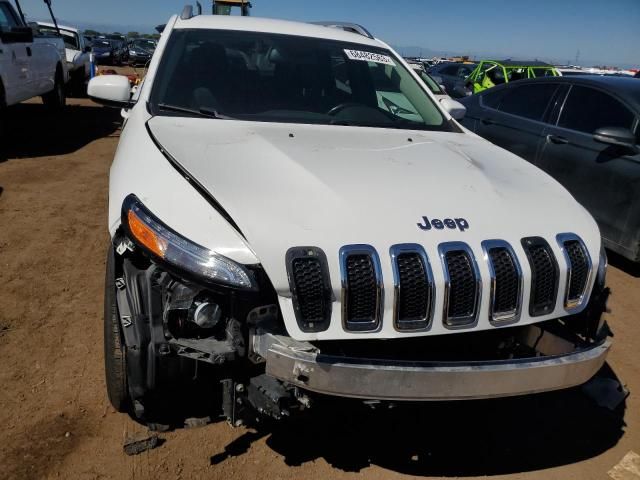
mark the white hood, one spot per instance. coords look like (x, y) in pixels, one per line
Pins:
(329, 186)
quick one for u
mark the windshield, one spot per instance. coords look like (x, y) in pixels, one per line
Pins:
(70, 38)
(144, 44)
(101, 44)
(283, 78)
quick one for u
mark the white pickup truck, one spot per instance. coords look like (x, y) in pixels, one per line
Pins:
(77, 54)
(294, 215)
(30, 65)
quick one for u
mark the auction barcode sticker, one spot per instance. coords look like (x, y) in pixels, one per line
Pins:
(369, 57)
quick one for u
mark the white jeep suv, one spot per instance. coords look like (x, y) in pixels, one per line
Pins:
(293, 214)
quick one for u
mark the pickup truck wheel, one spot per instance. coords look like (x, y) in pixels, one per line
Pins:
(79, 85)
(56, 98)
(115, 362)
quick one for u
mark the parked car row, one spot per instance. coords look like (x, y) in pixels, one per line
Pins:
(113, 50)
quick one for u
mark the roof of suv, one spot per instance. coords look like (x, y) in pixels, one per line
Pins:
(267, 25)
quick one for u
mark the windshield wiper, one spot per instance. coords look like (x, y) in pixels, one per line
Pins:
(201, 112)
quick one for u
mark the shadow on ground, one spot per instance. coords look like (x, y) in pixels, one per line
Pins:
(32, 130)
(454, 439)
(624, 264)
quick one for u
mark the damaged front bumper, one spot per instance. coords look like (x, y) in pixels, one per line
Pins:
(558, 364)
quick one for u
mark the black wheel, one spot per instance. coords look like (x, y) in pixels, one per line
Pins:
(56, 98)
(115, 362)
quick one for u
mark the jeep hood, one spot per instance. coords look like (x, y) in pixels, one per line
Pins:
(329, 186)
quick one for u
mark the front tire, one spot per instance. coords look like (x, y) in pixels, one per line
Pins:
(56, 99)
(115, 362)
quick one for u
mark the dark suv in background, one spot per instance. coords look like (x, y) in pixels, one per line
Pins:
(582, 130)
(453, 76)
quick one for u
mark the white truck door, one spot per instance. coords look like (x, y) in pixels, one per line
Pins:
(15, 60)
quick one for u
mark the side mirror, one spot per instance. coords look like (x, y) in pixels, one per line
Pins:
(455, 109)
(17, 35)
(110, 90)
(620, 137)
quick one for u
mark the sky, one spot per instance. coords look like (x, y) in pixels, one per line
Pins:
(597, 31)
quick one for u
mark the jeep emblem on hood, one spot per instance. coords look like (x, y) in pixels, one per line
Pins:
(459, 223)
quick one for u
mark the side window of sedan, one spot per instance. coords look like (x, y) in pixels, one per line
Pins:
(587, 110)
(493, 98)
(528, 101)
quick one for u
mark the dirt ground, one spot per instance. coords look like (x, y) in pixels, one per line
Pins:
(55, 419)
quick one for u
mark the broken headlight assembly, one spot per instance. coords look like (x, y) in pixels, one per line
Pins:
(176, 251)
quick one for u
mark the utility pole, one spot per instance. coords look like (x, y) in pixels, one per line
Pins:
(578, 57)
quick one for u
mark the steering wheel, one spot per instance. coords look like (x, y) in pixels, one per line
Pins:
(338, 108)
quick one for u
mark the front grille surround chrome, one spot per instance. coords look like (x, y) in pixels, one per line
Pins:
(470, 321)
(507, 317)
(423, 324)
(531, 245)
(361, 327)
(575, 305)
(308, 325)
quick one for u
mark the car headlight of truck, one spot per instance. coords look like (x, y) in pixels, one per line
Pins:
(148, 232)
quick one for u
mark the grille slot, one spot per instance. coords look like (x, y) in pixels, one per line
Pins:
(578, 269)
(544, 276)
(413, 282)
(463, 284)
(506, 281)
(310, 287)
(362, 289)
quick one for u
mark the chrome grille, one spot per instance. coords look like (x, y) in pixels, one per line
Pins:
(506, 281)
(578, 269)
(362, 290)
(414, 288)
(362, 297)
(462, 285)
(544, 276)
